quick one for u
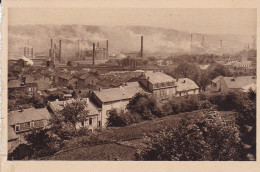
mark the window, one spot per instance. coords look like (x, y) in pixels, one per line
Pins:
(99, 123)
(107, 113)
(31, 124)
(17, 128)
(90, 121)
(82, 123)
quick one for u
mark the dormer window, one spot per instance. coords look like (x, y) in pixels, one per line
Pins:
(17, 128)
(31, 124)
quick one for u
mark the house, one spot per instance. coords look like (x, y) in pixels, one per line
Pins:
(114, 98)
(168, 62)
(22, 122)
(31, 85)
(39, 62)
(236, 83)
(66, 79)
(93, 120)
(214, 85)
(86, 79)
(162, 86)
(159, 62)
(224, 84)
(186, 86)
(44, 83)
(15, 87)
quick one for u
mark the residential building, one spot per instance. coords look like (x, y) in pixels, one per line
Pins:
(44, 83)
(85, 80)
(66, 79)
(162, 86)
(15, 87)
(114, 98)
(31, 85)
(225, 84)
(186, 86)
(93, 119)
(22, 122)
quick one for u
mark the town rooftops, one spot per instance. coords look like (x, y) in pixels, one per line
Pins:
(239, 82)
(27, 115)
(57, 106)
(119, 93)
(14, 84)
(29, 80)
(185, 84)
(158, 77)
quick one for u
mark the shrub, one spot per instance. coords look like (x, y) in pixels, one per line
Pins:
(214, 138)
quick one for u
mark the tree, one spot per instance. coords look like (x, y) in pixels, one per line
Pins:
(74, 112)
(114, 119)
(214, 138)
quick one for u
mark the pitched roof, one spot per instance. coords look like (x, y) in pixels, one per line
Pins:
(158, 77)
(84, 76)
(249, 86)
(184, 84)
(66, 76)
(119, 93)
(29, 79)
(57, 106)
(217, 79)
(11, 134)
(239, 82)
(14, 83)
(27, 115)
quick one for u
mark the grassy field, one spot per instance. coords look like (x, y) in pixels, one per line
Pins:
(123, 142)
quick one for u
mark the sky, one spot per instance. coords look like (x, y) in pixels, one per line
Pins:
(206, 21)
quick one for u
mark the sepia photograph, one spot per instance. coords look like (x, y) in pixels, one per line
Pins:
(131, 84)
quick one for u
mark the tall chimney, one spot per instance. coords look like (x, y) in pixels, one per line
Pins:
(202, 42)
(32, 52)
(98, 45)
(24, 51)
(191, 43)
(78, 49)
(107, 50)
(220, 44)
(93, 54)
(51, 50)
(60, 51)
(142, 46)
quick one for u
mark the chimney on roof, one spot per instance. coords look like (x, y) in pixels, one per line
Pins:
(184, 81)
(87, 100)
(100, 88)
(93, 55)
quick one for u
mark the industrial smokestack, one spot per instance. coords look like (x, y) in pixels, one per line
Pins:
(142, 46)
(98, 45)
(32, 52)
(60, 51)
(51, 44)
(220, 44)
(107, 50)
(191, 43)
(78, 49)
(24, 51)
(93, 54)
(202, 41)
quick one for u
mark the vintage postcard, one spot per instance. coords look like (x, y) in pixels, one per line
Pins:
(149, 83)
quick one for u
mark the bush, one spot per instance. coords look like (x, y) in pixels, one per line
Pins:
(214, 139)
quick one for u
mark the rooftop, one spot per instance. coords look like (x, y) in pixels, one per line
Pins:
(158, 77)
(27, 115)
(14, 83)
(57, 106)
(119, 93)
(184, 84)
(66, 76)
(239, 82)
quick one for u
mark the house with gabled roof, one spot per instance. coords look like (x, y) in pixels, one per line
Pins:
(115, 98)
(67, 79)
(85, 80)
(22, 122)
